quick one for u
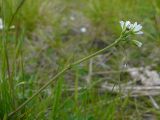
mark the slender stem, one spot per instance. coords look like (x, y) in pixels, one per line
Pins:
(96, 53)
(15, 13)
(63, 71)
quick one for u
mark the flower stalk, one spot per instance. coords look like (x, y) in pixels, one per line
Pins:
(63, 71)
(127, 30)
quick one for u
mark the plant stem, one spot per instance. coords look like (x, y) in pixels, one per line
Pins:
(63, 71)
(15, 13)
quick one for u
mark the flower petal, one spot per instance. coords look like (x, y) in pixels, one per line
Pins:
(1, 27)
(1, 24)
(139, 33)
(134, 25)
(122, 24)
(127, 23)
(130, 26)
(137, 28)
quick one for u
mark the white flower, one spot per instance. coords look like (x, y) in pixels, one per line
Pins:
(83, 29)
(129, 28)
(136, 28)
(125, 25)
(1, 24)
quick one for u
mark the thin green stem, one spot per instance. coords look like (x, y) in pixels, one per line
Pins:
(63, 71)
(15, 13)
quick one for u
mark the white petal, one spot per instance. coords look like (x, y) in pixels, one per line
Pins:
(137, 28)
(1, 27)
(134, 25)
(127, 23)
(122, 24)
(139, 33)
(130, 26)
(1, 22)
(83, 29)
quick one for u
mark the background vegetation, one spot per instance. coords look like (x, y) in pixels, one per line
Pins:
(49, 34)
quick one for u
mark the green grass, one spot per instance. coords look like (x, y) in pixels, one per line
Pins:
(45, 39)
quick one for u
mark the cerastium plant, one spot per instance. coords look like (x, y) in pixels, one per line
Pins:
(128, 30)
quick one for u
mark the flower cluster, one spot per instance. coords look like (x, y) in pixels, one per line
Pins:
(135, 28)
(129, 28)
